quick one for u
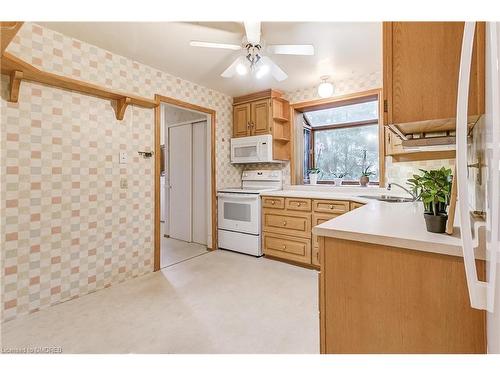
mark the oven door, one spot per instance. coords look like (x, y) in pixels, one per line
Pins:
(239, 212)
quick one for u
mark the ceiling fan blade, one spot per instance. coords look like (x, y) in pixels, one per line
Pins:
(252, 29)
(231, 70)
(291, 49)
(278, 73)
(197, 43)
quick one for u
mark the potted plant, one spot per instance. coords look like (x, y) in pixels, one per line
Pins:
(337, 178)
(434, 188)
(313, 175)
(365, 176)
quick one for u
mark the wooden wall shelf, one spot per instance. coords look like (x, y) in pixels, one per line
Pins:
(19, 70)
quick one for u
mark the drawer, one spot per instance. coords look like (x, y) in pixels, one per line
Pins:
(294, 224)
(355, 205)
(316, 220)
(286, 247)
(327, 206)
(298, 204)
(273, 202)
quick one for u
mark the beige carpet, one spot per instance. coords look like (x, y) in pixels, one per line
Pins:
(174, 251)
(220, 302)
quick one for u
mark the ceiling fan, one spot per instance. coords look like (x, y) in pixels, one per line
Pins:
(253, 60)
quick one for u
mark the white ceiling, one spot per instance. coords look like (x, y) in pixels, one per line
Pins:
(342, 49)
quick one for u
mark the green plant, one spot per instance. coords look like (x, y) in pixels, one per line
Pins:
(314, 171)
(434, 188)
(339, 174)
(365, 172)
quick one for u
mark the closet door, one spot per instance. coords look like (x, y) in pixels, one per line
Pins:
(200, 198)
(180, 175)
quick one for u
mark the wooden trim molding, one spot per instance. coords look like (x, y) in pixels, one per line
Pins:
(313, 105)
(157, 225)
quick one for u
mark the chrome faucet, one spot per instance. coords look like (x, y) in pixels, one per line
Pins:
(389, 187)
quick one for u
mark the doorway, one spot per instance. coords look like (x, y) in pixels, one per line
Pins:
(185, 209)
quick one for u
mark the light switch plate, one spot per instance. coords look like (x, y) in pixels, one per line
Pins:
(123, 157)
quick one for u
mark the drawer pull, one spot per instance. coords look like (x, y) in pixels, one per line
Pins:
(272, 202)
(331, 206)
(284, 222)
(284, 247)
(298, 204)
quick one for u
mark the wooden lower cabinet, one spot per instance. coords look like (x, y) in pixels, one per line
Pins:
(316, 220)
(383, 299)
(287, 223)
(295, 249)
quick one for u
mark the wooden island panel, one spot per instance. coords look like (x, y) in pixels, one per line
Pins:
(383, 299)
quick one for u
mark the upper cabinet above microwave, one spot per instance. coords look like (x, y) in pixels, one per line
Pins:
(421, 62)
(261, 113)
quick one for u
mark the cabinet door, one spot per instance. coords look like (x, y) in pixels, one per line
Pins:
(421, 63)
(318, 219)
(261, 117)
(241, 120)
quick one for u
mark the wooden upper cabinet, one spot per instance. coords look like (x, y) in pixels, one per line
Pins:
(264, 112)
(260, 122)
(241, 120)
(421, 64)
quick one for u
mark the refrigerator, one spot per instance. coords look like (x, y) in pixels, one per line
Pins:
(478, 179)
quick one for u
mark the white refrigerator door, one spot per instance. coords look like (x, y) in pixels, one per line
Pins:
(482, 294)
(492, 151)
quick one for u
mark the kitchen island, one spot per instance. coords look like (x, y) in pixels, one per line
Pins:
(389, 286)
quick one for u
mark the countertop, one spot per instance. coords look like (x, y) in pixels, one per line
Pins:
(393, 224)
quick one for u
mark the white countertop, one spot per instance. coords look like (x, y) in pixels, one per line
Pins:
(384, 223)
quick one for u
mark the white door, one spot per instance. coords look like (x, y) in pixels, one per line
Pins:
(179, 173)
(200, 198)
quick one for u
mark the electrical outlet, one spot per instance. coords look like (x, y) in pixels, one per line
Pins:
(123, 183)
(123, 157)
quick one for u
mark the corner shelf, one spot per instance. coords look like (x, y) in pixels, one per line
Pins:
(19, 70)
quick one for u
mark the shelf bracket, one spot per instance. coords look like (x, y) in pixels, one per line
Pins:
(121, 106)
(15, 82)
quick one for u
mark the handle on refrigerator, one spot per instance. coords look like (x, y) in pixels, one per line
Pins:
(477, 289)
(493, 149)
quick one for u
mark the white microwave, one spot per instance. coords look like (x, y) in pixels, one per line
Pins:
(255, 149)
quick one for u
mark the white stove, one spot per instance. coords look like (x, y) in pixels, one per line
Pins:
(239, 227)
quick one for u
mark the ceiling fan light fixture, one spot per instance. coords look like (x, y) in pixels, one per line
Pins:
(262, 71)
(325, 88)
(241, 69)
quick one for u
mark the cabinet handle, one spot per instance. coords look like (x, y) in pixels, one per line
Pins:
(272, 202)
(331, 206)
(284, 223)
(284, 247)
(248, 124)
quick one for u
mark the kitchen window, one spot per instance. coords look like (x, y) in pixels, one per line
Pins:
(343, 140)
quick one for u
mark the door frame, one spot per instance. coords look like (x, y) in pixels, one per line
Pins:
(157, 184)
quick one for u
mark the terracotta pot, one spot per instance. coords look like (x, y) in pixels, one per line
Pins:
(364, 180)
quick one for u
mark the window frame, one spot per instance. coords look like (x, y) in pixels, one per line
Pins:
(339, 101)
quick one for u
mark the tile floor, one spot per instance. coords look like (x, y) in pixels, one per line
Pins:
(174, 251)
(220, 302)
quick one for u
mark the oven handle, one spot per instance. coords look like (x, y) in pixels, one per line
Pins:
(238, 196)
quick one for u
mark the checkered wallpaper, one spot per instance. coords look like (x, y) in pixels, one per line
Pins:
(68, 228)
